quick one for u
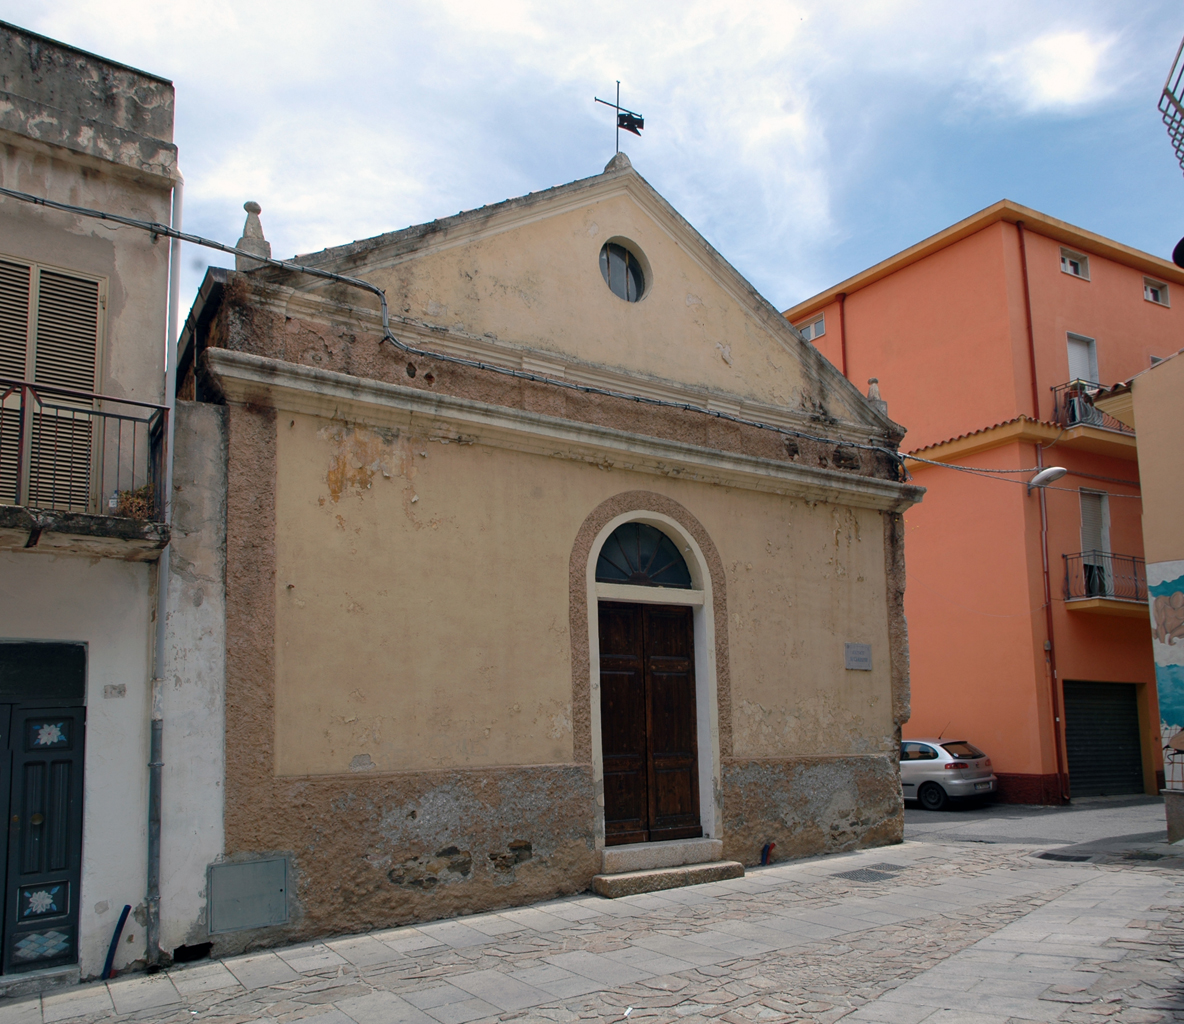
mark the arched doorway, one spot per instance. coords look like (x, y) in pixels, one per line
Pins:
(649, 728)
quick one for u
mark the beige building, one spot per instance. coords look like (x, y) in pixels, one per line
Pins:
(612, 576)
(1152, 400)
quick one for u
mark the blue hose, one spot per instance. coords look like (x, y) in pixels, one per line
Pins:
(115, 942)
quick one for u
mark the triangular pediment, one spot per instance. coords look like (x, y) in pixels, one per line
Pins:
(526, 274)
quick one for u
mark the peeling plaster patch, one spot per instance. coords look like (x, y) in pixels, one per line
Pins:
(445, 867)
(725, 352)
(561, 724)
(518, 852)
(362, 763)
(359, 454)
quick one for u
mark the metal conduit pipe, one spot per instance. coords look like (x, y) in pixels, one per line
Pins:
(156, 723)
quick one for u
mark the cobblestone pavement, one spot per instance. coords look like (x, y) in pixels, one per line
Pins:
(921, 932)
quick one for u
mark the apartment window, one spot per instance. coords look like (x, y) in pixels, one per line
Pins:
(814, 329)
(1095, 542)
(1155, 291)
(1075, 263)
(49, 335)
(1083, 359)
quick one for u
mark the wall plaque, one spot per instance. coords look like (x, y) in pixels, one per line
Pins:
(858, 657)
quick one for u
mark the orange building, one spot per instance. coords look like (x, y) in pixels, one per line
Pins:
(1027, 608)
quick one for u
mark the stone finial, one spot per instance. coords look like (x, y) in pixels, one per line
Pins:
(873, 395)
(252, 240)
(620, 162)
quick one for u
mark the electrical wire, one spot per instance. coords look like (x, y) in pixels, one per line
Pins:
(164, 230)
(954, 465)
(986, 474)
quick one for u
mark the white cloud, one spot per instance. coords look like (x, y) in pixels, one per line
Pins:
(1056, 71)
(349, 119)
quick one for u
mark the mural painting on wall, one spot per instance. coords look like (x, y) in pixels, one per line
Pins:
(1165, 594)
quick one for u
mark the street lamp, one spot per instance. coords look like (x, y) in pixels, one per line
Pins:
(1046, 477)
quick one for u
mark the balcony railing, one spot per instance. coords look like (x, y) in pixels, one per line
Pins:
(1104, 574)
(74, 451)
(1075, 407)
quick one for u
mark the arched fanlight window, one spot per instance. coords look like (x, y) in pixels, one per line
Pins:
(622, 272)
(641, 555)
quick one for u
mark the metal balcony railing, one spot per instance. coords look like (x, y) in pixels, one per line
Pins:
(1075, 407)
(74, 451)
(1105, 574)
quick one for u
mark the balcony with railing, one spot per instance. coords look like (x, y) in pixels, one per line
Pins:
(1075, 408)
(81, 472)
(1101, 581)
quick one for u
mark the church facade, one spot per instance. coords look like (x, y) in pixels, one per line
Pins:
(608, 555)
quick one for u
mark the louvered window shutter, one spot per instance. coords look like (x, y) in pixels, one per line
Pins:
(15, 282)
(65, 345)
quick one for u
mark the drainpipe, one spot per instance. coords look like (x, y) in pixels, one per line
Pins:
(843, 330)
(155, 756)
(1051, 646)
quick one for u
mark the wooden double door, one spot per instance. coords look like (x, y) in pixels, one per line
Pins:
(649, 735)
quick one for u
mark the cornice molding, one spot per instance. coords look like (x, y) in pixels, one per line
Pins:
(251, 379)
(285, 301)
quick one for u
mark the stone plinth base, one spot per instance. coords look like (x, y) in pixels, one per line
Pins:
(670, 854)
(630, 883)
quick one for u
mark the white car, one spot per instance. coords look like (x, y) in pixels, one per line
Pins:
(937, 771)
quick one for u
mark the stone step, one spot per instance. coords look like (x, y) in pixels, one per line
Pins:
(630, 883)
(670, 854)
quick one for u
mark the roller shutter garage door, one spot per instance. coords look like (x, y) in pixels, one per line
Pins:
(1102, 739)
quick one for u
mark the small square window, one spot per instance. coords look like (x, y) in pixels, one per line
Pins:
(814, 329)
(1155, 291)
(1075, 263)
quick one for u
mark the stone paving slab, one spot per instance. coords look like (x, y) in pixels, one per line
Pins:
(972, 935)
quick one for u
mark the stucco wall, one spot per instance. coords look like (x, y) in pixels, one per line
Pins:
(108, 605)
(194, 679)
(422, 594)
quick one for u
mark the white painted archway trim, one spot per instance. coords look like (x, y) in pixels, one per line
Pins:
(701, 600)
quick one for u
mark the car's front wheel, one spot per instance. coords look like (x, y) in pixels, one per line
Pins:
(933, 797)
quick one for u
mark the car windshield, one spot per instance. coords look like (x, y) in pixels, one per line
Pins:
(960, 748)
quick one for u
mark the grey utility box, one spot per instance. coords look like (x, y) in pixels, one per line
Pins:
(248, 894)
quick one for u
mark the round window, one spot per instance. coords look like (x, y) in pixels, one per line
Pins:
(622, 272)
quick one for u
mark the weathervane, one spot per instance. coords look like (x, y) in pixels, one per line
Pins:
(630, 120)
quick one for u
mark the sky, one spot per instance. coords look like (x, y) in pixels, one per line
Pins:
(805, 140)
